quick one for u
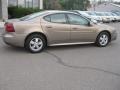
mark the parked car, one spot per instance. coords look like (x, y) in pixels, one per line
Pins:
(90, 15)
(85, 15)
(104, 16)
(118, 15)
(112, 18)
(51, 28)
(94, 15)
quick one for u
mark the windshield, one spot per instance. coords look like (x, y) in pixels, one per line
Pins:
(107, 14)
(31, 16)
(91, 13)
(84, 14)
(99, 14)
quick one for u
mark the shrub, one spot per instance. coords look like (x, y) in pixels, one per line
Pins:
(17, 12)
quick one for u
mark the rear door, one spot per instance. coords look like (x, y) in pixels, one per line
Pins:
(56, 28)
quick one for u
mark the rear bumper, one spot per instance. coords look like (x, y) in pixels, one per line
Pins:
(13, 39)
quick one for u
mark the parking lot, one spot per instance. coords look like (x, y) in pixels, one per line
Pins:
(77, 67)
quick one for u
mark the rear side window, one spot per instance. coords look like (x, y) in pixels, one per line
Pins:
(56, 18)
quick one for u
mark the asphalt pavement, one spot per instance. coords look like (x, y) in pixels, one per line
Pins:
(76, 67)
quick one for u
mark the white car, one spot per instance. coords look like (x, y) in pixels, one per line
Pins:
(83, 13)
(117, 16)
(88, 15)
(104, 16)
(94, 15)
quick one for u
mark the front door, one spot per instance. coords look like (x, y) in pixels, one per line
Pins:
(81, 31)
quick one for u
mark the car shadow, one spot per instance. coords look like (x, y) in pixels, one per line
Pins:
(12, 49)
(69, 47)
(54, 48)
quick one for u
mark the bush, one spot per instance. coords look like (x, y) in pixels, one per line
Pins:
(17, 12)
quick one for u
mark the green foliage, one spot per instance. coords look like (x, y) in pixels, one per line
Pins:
(17, 12)
(52, 4)
(75, 4)
(67, 4)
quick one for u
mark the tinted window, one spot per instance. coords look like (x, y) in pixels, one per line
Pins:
(58, 18)
(77, 20)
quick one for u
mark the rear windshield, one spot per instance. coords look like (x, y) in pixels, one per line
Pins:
(32, 16)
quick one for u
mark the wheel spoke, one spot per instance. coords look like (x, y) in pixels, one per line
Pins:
(32, 42)
(36, 40)
(40, 43)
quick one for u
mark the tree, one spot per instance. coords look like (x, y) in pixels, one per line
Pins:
(67, 4)
(75, 4)
(52, 4)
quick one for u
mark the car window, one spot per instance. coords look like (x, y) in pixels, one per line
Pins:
(58, 18)
(77, 20)
(31, 16)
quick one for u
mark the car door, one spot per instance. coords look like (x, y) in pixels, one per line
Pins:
(56, 28)
(81, 31)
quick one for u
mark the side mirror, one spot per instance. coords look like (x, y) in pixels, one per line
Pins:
(90, 23)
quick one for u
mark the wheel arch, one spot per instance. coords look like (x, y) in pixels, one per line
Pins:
(35, 33)
(106, 32)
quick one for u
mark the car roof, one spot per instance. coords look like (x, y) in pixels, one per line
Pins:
(58, 11)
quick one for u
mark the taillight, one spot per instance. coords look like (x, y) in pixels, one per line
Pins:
(9, 27)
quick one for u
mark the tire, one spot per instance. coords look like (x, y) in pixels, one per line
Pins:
(35, 43)
(103, 39)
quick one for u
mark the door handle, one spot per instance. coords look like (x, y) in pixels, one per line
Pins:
(74, 28)
(49, 26)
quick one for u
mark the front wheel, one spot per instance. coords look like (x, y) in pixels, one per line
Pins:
(35, 43)
(103, 39)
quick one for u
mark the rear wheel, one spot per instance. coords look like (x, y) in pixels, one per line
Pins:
(103, 39)
(35, 43)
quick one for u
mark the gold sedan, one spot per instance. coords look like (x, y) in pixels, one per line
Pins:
(51, 28)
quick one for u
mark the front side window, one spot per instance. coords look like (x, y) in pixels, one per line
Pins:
(77, 20)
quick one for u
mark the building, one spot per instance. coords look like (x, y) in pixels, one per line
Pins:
(105, 7)
(25, 3)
